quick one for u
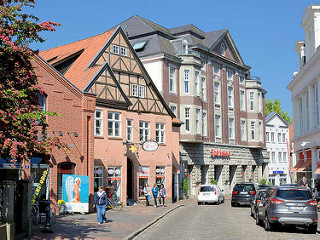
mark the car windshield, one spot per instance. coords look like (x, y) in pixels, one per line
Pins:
(206, 189)
(294, 194)
(243, 188)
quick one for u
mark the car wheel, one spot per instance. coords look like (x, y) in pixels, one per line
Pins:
(312, 229)
(222, 200)
(233, 204)
(251, 213)
(218, 202)
(267, 225)
(258, 221)
(199, 203)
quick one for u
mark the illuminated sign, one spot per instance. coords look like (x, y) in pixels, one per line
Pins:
(219, 153)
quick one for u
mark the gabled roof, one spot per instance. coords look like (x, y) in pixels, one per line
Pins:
(213, 37)
(272, 115)
(78, 73)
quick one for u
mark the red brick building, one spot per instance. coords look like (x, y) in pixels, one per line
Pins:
(129, 111)
(74, 127)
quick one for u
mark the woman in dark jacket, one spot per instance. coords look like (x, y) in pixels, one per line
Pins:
(100, 203)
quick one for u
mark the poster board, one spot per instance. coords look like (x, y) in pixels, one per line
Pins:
(75, 192)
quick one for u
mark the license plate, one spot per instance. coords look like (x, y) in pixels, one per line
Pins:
(206, 194)
(295, 208)
(243, 193)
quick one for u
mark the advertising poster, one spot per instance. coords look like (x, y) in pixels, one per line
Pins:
(75, 192)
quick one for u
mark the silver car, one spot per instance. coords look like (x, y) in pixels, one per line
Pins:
(288, 205)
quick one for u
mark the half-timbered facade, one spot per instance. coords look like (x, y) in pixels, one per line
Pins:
(129, 111)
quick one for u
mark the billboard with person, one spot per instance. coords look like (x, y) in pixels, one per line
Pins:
(75, 192)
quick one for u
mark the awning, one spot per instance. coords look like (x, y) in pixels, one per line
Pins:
(317, 171)
(305, 165)
(298, 165)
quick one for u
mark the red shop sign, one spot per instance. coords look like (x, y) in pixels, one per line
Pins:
(219, 153)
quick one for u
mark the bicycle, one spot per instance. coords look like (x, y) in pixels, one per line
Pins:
(37, 215)
(115, 204)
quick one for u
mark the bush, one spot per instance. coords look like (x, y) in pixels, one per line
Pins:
(61, 202)
(213, 181)
(263, 181)
(185, 185)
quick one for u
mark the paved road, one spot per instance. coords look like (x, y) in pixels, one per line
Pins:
(216, 222)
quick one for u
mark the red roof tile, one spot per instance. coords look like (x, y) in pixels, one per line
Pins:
(77, 73)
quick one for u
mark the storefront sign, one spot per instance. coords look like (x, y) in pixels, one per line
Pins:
(278, 172)
(143, 172)
(76, 192)
(219, 153)
(150, 146)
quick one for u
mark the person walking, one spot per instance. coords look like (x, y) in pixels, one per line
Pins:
(100, 202)
(162, 193)
(147, 193)
(155, 192)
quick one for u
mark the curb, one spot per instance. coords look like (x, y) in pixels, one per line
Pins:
(136, 233)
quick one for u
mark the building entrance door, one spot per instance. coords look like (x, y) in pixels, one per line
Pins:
(129, 179)
(218, 175)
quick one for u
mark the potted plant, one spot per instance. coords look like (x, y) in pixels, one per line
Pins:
(185, 187)
(61, 206)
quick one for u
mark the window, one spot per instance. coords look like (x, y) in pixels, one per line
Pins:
(216, 93)
(241, 80)
(222, 49)
(197, 121)
(283, 137)
(260, 132)
(203, 89)
(230, 97)
(243, 130)
(230, 75)
(242, 105)
(98, 123)
(123, 51)
(217, 125)
(173, 109)
(144, 130)
(279, 137)
(307, 112)
(231, 127)
(43, 105)
(267, 136)
(172, 81)
(284, 155)
(196, 84)
(137, 90)
(114, 180)
(114, 124)
(316, 104)
(216, 70)
(280, 156)
(272, 137)
(251, 100)
(187, 119)
(160, 175)
(160, 130)
(259, 108)
(301, 115)
(273, 156)
(115, 49)
(129, 130)
(204, 124)
(98, 177)
(186, 81)
(252, 130)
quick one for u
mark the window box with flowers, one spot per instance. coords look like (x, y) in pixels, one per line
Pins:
(61, 206)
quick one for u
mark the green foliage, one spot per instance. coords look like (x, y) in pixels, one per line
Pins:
(263, 181)
(213, 181)
(275, 106)
(185, 185)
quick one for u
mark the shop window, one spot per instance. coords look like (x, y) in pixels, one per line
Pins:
(160, 175)
(63, 168)
(143, 179)
(114, 180)
(98, 177)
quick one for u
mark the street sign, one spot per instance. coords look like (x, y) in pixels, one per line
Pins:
(278, 172)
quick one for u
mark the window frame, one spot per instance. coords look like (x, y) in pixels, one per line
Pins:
(216, 93)
(217, 125)
(129, 130)
(143, 130)
(123, 51)
(230, 97)
(172, 80)
(231, 127)
(187, 119)
(251, 96)
(187, 81)
(114, 121)
(160, 133)
(242, 100)
(243, 130)
(95, 123)
(115, 49)
(198, 120)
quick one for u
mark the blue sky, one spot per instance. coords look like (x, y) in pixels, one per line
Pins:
(264, 31)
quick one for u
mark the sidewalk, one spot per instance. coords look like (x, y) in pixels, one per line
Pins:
(119, 224)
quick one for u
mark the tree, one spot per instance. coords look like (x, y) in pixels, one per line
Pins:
(20, 111)
(275, 106)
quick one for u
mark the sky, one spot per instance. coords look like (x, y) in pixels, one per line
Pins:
(264, 31)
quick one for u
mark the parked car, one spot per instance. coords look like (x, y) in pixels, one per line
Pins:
(257, 198)
(288, 205)
(243, 193)
(210, 194)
